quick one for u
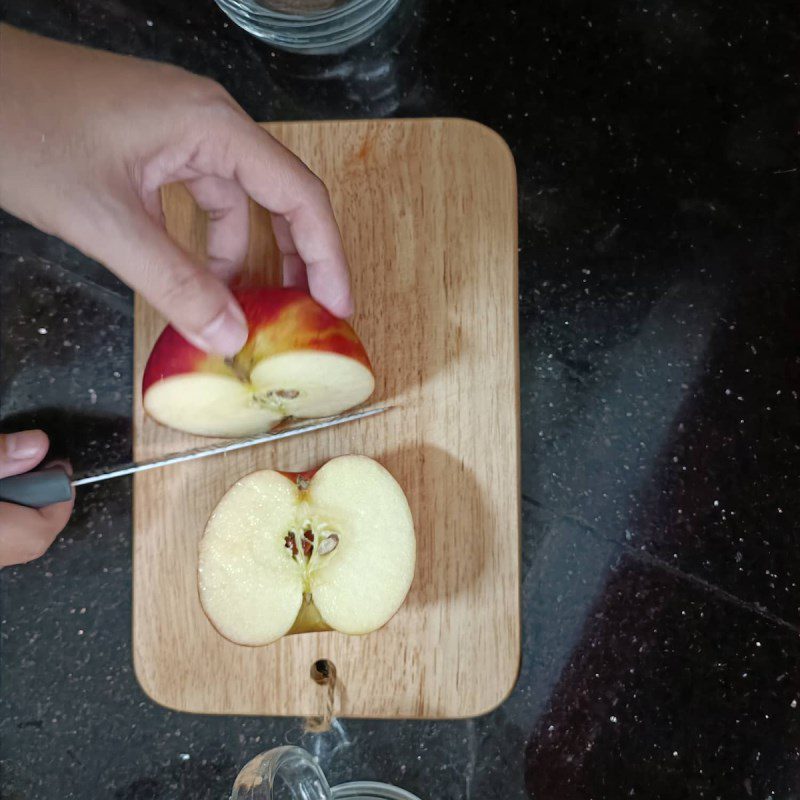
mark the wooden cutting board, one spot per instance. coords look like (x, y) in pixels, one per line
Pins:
(428, 213)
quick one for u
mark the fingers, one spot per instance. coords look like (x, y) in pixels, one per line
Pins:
(294, 272)
(194, 300)
(26, 533)
(21, 452)
(228, 225)
(276, 179)
(292, 266)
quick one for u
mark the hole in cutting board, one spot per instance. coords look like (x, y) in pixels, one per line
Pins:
(323, 671)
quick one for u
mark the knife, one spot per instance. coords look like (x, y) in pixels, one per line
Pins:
(54, 485)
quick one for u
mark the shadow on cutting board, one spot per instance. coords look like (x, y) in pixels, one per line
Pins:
(451, 548)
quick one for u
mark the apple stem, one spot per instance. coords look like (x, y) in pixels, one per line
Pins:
(240, 372)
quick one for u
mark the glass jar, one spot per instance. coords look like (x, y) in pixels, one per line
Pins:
(309, 26)
(291, 773)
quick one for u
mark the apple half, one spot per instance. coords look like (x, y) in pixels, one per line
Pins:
(299, 361)
(292, 553)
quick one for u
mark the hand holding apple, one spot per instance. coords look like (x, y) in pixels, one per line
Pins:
(88, 140)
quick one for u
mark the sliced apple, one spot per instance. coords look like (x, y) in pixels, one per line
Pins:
(292, 553)
(299, 361)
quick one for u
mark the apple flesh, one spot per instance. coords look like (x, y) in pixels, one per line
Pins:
(290, 553)
(299, 361)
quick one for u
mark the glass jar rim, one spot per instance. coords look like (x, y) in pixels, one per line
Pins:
(328, 14)
(369, 790)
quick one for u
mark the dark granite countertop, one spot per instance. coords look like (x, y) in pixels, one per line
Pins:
(656, 144)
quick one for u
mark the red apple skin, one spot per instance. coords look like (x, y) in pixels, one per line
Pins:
(172, 355)
(298, 477)
(278, 320)
(295, 320)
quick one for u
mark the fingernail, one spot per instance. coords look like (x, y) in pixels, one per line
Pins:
(343, 306)
(226, 334)
(348, 307)
(24, 445)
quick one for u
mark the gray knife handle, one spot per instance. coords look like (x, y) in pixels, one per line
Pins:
(36, 489)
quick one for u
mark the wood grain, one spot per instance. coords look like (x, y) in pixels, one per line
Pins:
(428, 214)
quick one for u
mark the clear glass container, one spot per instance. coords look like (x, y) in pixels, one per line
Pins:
(310, 26)
(291, 773)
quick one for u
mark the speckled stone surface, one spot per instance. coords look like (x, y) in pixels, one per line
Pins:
(656, 145)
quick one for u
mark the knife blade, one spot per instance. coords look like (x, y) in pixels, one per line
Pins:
(54, 485)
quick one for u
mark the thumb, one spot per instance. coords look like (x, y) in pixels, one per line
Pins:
(198, 304)
(21, 452)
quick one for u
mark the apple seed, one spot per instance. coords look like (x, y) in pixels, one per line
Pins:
(290, 543)
(328, 545)
(274, 399)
